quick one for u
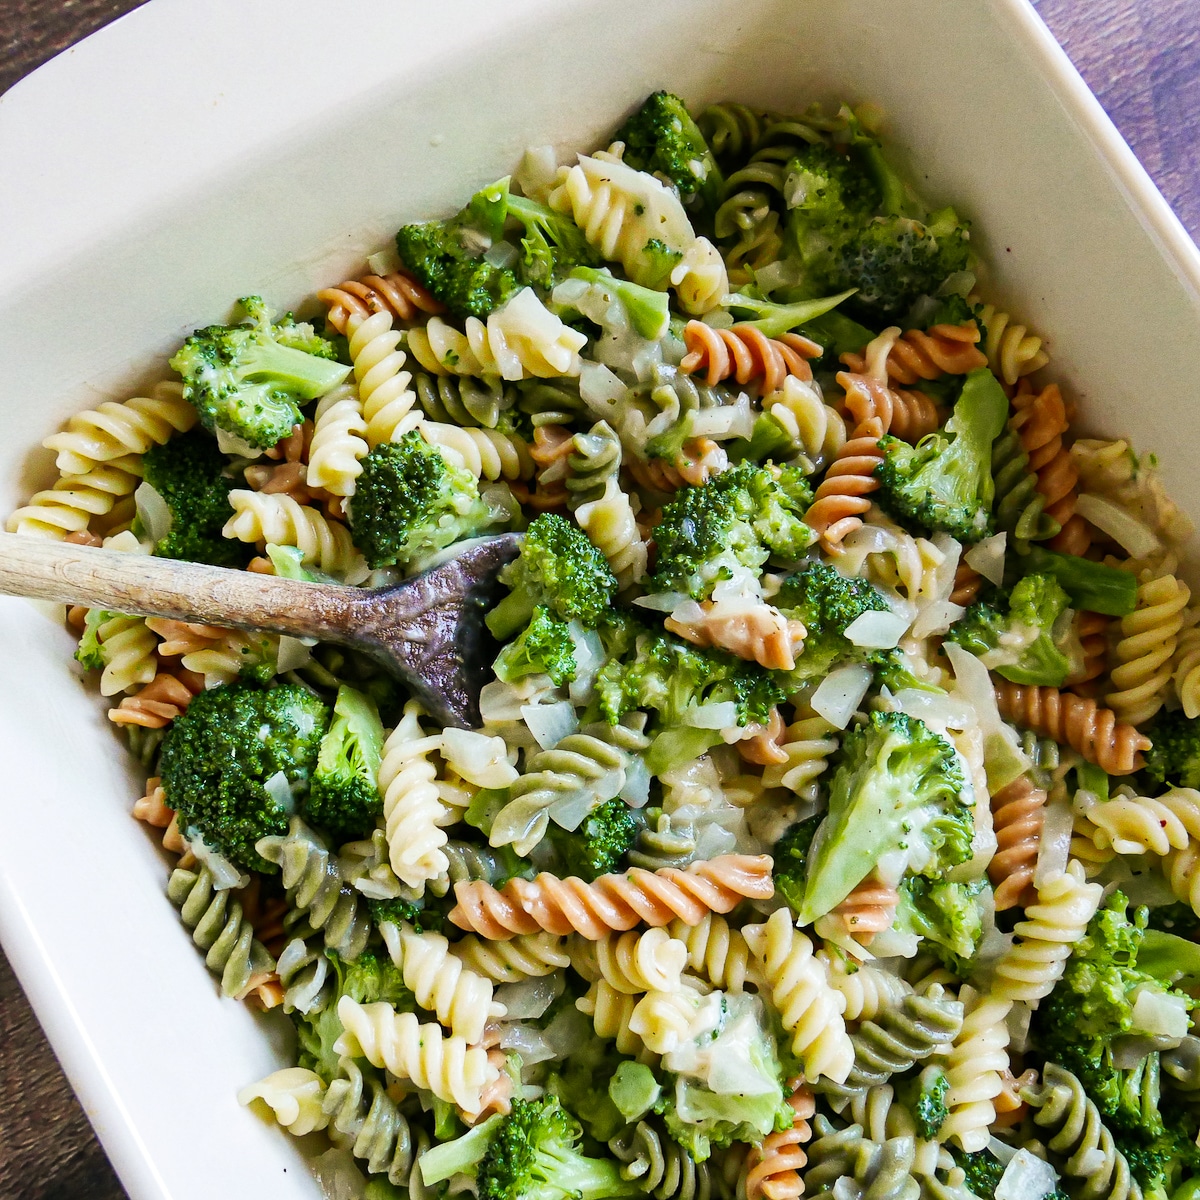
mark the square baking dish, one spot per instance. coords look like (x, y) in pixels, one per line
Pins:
(192, 153)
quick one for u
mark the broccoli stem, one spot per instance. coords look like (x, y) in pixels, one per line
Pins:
(777, 319)
(305, 374)
(1092, 586)
(511, 614)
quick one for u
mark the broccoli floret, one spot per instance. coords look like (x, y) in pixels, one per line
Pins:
(219, 754)
(662, 138)
(946, 914)
(412, 912)
(777, 319)
(730, 526)
(249, 379)
(1174, 754)
(790, 857)
(551, 243)
(559, 569)
(898, 787)
(1091, 586)
(945, 481)
(599, 845)
(1021, 644)
(1094, 1004)
(648, 311)
(188, 473)
(410, 502)
(982, 1171)
(343, 797)
(544, 647)
(925, 1097)
(533, 1154)
(827, 603)
(90, 653)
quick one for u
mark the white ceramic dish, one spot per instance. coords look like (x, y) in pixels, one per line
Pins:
(193, 153)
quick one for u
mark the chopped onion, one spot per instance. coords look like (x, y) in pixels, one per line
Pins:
(536, 173)
(1163, 1014)
(224, 874)
(529, 998)
(1054, 848)
(153, 511)
(661, 601)
(127, 543)
(869, 539)
(876, 630)
(987, 557)
(570, 809)
(479, 758)
(1088, 1162)
(384, 262)
(1122, 526)
(528, 1041)
(936, 617)
(1004, 759)
(840, 693)
(718, 715)
(844, 1187)
(339, 1176)
(600, 388)
(280, 790)
(569, 1030)
(589, 658)
(503, 701)
(302, 996)
(636, 791)
(1001, 1151)
(293, 652)
(230, 443)
(1026, 1177)
(1018, 1026)
(951, 711)
(501, 254)
(550, 723)
(712, 841)
(961, 283)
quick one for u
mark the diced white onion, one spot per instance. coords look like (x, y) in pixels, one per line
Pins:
(293, 652)
(1018, 1026)
(153, 510)
(569, 810)
(224, 874)
(1163, 1014)
(303, 996)
(987, 557)
(536, 173)
(783, 272)
(339, 1176)
(661, 601)
(1123, 527)
(1001, 1151)
(936, 618)
(712, 841)
(501, 254)
(230, 443)
(844, 1187)
(550, 723)
(961, 283)
(1089, 1162)
(718, 715)
(278, 788)
(589, 658)
(503, 701)
(528, 1041)
(479, 758)
(1026, 1177)
(384, 262)
(569, 1030)
(876, 630)
(1054, 848)
(840, 693)
(636, 791)
(933, 708)
(600, 388)
(529, 998)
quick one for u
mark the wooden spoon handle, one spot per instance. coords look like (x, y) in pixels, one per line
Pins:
(159, 587)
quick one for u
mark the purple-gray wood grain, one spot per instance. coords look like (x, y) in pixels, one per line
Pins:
(1140, 57)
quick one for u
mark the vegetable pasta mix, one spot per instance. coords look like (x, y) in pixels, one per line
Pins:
(834, 819)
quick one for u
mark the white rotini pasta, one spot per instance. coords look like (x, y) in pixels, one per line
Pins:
(717, 952)
(611, 1012)
(486, 453)
(1142, 674)
(633, 962)
(1012, 351)
(275, 518)
(446, 1066)
(383, 384)
(70, 504)
(621, 211)
(412, 809)
(522, 339)
(807, 743)
(867, 990)
(816, 429)
(127, 649)
(1185, 666)
(1112, 470)
(440, 982)
(526, 956)
(294, 1095)
(667, 1020)
(811, 1010)
(1030, 968)
(974, 1065)
(610, 523)
(338, 441)
(1147, 824)
(219, 654)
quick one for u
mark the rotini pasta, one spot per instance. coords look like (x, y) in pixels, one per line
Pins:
(1018, 810)
(841, 499)
(338, 442)
(397, 293)
(807, 744)
(1011, 350)
(814, 429)
(744, 353)
(772, 1169)
(928, 354)
(611, 1012)
(486, 453)
(974, 1065)
(527, 956)
(866, 989)
(717, 952)
(277, 519)
(641, 962)
(659, 1166)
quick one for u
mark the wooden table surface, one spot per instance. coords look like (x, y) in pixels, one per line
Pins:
(1140, 57)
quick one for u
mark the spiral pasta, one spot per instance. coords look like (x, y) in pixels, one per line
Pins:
(807, 745)
(869, 909)
(304, 971)
(396, 293)
(750, 629)
(1147, 824)
(1030, 968)
(413, 811)
(523, 338)
(641, 962)
(611, 1012)
(882, 1170)
(772, 1169)
(1011, 350)
(906, 415)
(126, 650)
(841, 499)
(717, 952)
(461, 400)
(220, 929)
(919, 354)
(1073, 721)
(527, 956)
(611, 902)
(659, 1165)
(1185, 668)
(1142, 674)
(665, 1021)
(486, 453)
(973, 1066)
(814, 429)
(1079, 1136)
(1018, 810)
(446, 1066)
(294, 1095)
(744, 353)
(265, 517)
(811, 1010)
(69, 505)
(338, 442)
(369, 1122)
(440, 982)
(1019, 506)
(218, 655)
(579, 766)
(867, 990)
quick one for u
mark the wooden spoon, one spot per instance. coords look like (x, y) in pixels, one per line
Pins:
(427, 631)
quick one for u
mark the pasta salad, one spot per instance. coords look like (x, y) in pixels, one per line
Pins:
(833, 822)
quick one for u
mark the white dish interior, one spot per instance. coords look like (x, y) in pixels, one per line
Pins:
(156, 173)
